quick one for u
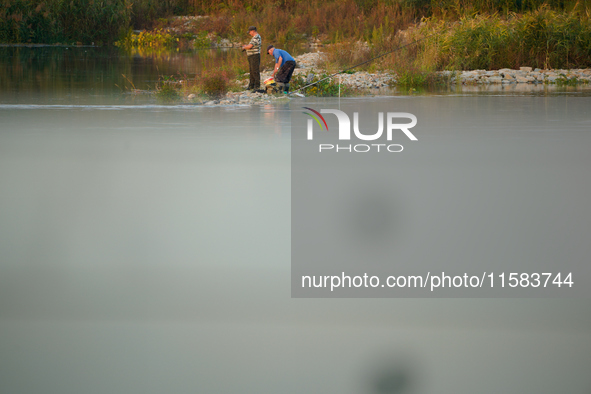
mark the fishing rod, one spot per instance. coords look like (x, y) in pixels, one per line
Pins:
(365, 62)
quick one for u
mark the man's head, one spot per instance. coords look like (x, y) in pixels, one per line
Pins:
(252, 31)
(270, 49)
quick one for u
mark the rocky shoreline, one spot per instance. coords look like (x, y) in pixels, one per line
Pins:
(309, 65)
(362, 79)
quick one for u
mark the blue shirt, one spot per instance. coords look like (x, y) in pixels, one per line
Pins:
(281, 53)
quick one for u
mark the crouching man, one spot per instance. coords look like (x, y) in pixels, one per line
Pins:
(284, 66)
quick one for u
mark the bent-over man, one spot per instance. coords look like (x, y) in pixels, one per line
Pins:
(284, 66)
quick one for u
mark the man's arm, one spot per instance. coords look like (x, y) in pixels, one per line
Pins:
(249, 46)
(277, 65)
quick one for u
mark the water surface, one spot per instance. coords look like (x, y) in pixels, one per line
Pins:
(145, 248)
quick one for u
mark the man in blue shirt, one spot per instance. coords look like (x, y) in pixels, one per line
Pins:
(284, 66)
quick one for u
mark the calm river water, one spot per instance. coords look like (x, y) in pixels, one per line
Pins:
(145, 248)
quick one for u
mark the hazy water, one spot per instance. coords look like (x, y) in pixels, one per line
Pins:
(146, 249)
(98, 76)
(87, 75)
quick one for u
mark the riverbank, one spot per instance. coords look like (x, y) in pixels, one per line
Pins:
(360, 83)
(312, 62)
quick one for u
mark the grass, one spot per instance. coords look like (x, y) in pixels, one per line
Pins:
(450, 34)
(325, 88)
(211, 83)
(61, 21)
(160, 39)
(168, 90)
(543, 38)
(564, 80)
(416, 79)
(148, 39)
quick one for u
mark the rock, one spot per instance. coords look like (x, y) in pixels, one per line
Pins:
(521, 79)
(526, 69)
(495, 80)
(191, 96)
(224, 43)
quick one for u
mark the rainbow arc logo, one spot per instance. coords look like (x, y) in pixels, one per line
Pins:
(316, 117)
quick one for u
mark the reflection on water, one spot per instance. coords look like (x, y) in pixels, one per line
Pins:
(146, 249)
(513, 89)
(88, 75)
(91, 75)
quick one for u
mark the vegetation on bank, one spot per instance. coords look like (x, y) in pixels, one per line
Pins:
(106, 21)
(449, 34)
(53, 21)
(543, 38)
(324, 87)
(211, 83)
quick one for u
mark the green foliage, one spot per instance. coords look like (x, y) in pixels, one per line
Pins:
(209, 84)
(325, 88)
(564, 80)
(457, 8)
(413, 79)
(201, 41)
(542, 38)
(52, 21)
(215, 86)
(85, 21)
(146, 12)
(472, 34)
(168, 90)
(148, 39)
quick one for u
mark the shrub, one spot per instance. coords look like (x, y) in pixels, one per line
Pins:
(215, 86)
(63, 21)
(168, 89)
(541, 38)
(148, 39)
(324, 88)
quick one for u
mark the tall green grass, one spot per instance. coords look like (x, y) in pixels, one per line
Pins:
(64, 21)
(543, 38)
(376, 22)
(86, 21)
(285, 21)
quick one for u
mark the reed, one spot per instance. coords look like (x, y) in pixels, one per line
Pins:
(543, 38)
(472, 34)
(212, 82)
(323, 88)
(62, 21)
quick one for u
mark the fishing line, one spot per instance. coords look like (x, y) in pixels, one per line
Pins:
(365, 62)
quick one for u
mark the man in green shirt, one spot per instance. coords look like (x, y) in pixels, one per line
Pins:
(253, 50)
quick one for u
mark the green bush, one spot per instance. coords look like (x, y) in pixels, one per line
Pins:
(215, 86)
(168, 90)
(86, 21)
(63, 21)
(324, 88)
(542, 38)
(148, 39)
